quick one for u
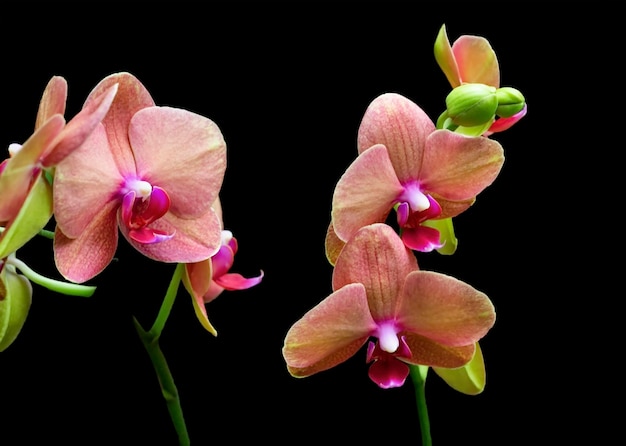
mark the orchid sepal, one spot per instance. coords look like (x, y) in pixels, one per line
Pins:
(15, 301)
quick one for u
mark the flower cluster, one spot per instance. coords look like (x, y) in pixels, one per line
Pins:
(425, 173)
(122, 165)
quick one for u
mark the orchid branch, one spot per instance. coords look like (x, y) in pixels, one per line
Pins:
(418, 376)
(150, 340)
(69, 288)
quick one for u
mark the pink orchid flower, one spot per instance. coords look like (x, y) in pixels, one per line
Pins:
(151, 171)
(406, 164)
(471, 59)
(206, 280)
(417, 317)
(22, 174)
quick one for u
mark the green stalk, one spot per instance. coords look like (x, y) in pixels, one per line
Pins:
(150, 340)
(418, 376)
(69, 288)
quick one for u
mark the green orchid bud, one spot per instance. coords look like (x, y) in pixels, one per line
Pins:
(470, 105)
(15, 300)
(510, 101)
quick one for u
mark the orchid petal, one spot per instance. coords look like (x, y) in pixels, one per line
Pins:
(376, 258)
(425, 351)
(458, 167)
(333, 244)
(194, 240)
(445, 58)
(444, 309)
(131, 97)
(32, 218)
(52, 101)
(469, 379)
(81, 258)
(85, 183)
(400, 125)
(329, 333)
(182, 152)
(79, 128)
(16, 178)
(365, 193)
(197, 280)
(476, 60)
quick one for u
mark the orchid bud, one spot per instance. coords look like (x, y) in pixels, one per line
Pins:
(471, 105)
(15, 299)
(510, 102)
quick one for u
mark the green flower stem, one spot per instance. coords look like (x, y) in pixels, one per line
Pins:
(47, 234)
(69, 288)
(150, 340)
(418, 375)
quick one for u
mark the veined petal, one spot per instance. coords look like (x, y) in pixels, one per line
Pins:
(376, 258)
(131, 97)
(81, 258)
(445, 58)
(365, 193)
(476, 60)
(469, 379)
(85, 183)
(329, 333)
(52, 101)
(425, 351)
(400, 125)
(20, 169)
(444, 309)
(79, 128)
(458, 167)
(182, 152)
(197, 280)
(193, 241)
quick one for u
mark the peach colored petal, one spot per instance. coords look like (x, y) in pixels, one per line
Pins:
(194, 240)
(131, 97)
(333, 245)
(82, 258)
(401, 126)
(425, 351)
(365, 193)
(52, 101)
(78, 129)
(476, 60)
(16, 178)
(329, 333)
(182, 152)
(84, 183)
(444, 309)
(377, 258)
(458, 167)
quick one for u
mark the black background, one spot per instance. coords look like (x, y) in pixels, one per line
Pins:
(288, 83)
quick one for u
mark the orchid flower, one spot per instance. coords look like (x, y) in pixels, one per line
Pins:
(405, 164)
(206, 280)
(417, 317)
(16, 294)
(472, 60)
(151, 171)
(22, 175)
